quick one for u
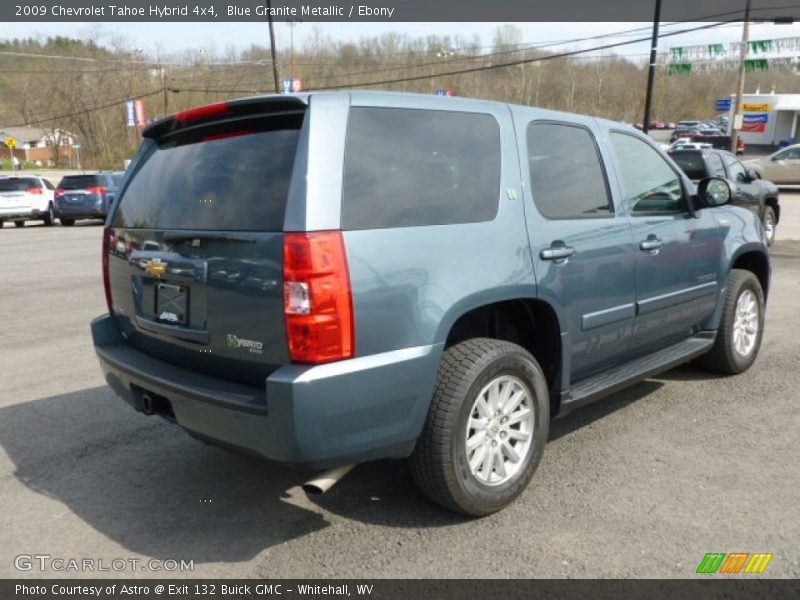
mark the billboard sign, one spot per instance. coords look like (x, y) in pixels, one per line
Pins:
(756, 108)
(723, 104)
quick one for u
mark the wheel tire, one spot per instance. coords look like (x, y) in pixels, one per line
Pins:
(724, 356)
(50, 217)
(769, 224)
(19, 223)
(440, 463)
(67, 222)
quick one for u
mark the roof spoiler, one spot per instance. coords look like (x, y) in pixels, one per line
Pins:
(232, 109)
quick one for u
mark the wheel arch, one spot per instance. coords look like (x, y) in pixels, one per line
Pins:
(528, 322)
(772, 202)
(757, 262)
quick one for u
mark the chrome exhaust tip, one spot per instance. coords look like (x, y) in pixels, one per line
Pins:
(326, 480)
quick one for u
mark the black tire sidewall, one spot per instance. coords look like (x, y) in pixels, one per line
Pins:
(478, 497)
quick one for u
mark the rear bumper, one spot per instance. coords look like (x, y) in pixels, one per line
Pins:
(10, 214)
(347, 412)
(80, 212)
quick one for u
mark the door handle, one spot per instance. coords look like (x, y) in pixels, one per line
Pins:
(557, 252)
(651, 243)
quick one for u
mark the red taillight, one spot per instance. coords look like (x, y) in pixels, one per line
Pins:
(34, 190)
(317, 301)
(108, 243)
(226, 134)
(59, 191)
(96, 189)
(203, 112)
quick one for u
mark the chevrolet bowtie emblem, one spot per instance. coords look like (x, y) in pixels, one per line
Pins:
(155, 267)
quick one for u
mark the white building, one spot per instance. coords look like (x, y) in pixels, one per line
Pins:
(768, 119)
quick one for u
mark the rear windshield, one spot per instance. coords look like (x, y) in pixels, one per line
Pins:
(79, 182)
(234, 183)
(15, 184)
(691, 163)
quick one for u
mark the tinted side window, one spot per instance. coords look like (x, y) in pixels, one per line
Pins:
(736, 170)
(715, 166)
(651, 186)
(48, 184)
(788, 154)
(406, 168)
(567, 177)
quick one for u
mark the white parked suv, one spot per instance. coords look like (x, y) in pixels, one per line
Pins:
(26, 198)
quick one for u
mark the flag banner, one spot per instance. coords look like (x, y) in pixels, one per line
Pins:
(755, 123)
(130, 113)
(756, 64)
(141, 119)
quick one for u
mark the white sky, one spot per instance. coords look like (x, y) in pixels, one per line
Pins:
(153, 38)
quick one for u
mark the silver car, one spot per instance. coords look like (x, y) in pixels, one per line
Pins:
(781, 167)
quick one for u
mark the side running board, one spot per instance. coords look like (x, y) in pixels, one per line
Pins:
(610, 381)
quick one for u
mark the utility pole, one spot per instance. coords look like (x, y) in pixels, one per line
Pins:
(164, 89)
(292, 24)
(736, 126)
(272, 48)
(651, 72)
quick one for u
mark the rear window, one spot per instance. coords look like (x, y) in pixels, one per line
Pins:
(406, 168)
(691, 163)
(17, 184)
(234, 183)
(79, 182)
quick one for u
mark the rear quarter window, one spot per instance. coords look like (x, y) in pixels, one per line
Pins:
(410, 167)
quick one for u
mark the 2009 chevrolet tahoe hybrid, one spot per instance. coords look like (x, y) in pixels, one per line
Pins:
(340, 277)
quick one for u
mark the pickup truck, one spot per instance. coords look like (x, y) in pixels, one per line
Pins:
(755, 194)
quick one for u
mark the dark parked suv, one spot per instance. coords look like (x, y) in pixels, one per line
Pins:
(327, 279)
(86, 196)
(757, 195)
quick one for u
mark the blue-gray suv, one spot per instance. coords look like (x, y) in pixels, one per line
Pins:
(332, 278)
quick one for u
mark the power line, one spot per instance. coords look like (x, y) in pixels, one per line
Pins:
(87, 110)
(516, 62)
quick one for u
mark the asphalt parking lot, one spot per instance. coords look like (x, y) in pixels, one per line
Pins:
(641, 484)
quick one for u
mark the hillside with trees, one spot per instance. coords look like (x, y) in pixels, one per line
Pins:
(81, 85)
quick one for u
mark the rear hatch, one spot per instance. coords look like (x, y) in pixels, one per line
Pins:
(195, 244)
(79, 193)
(691, 162)
(14, 193)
